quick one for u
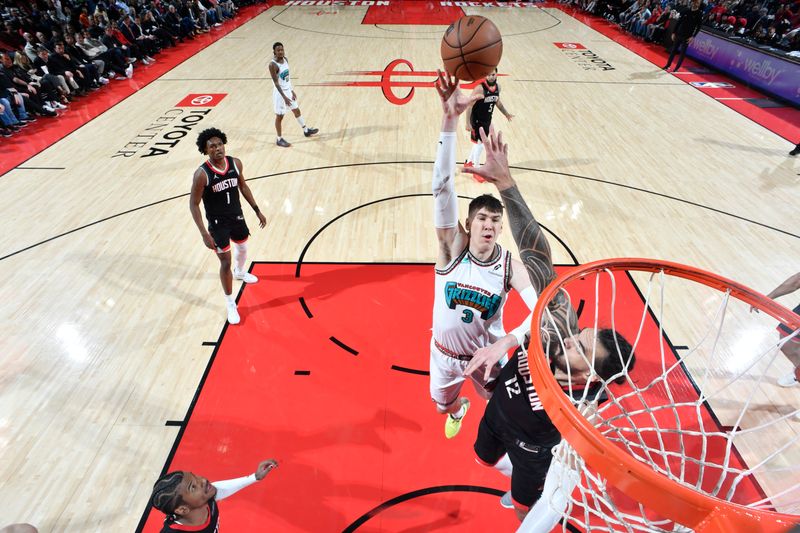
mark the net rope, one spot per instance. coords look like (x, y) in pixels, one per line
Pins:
(667, 420)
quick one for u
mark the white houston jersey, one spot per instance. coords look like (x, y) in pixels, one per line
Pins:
(468, 305)
(283, 77)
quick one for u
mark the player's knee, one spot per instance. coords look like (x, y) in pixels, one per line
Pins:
(225, 261)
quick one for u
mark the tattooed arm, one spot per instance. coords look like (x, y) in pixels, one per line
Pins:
(534, 249)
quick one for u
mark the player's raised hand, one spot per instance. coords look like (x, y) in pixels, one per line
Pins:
(264, 468)
(454, 102)
(495, 170)
(485, 358)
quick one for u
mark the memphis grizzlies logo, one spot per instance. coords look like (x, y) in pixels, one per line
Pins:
(486, 305)
(284, 75)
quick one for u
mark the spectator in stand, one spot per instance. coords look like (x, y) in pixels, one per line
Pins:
(116, 66)
(133, 34)
(111, 42)
(44, 85)
(83, 19)
(151, 27)
(177, 25)
(638, 23)
(30, 46)
(657, 30)
(15, 82)
(10, 124)
(11, 37)
(12, 99)
(92, 69)
(44, 68)
(79, 78)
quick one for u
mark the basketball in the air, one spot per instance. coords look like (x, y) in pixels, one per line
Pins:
(471, 48)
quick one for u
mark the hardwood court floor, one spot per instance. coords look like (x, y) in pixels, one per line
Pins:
(103, 328)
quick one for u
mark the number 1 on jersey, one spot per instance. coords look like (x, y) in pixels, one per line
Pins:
(228, 196)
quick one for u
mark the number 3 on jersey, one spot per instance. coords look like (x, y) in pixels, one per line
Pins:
(468, 315)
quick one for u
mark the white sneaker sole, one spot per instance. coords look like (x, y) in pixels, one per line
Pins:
(247, 278)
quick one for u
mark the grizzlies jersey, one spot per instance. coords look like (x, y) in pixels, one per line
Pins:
(482, 109)
(468, 304)
(221, 193)
(283, 77)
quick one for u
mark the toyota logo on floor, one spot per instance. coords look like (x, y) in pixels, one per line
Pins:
(201, 100)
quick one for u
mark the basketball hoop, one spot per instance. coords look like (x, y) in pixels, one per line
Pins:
(690, 441)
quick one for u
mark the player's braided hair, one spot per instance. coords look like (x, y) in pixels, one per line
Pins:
(207, 134)
(166, 497)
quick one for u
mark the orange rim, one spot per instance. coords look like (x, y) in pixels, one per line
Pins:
(673, 500)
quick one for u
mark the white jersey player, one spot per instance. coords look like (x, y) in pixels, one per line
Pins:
(283, 96)
(473, 276)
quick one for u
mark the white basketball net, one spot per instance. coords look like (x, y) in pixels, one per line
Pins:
(709, 416)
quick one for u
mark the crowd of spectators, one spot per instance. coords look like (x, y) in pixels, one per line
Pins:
(771, 23)
(54, 51)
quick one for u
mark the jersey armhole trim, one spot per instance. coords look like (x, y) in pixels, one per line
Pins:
(452, 265)
(508, 272)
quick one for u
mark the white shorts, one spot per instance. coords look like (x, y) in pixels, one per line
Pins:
(447, 377)
(280, 105)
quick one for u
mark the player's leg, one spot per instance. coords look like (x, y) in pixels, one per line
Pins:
(672, 50)
(280, 141)
(239, 235)
(561, 480)
(220, 229)
(683, 45)
(477, 147)
(490, 450)
(446, 380)
(280, 109)
(307, 130)
(530, 466)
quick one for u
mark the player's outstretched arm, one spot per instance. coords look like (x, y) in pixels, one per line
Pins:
(228, 487)
(248, 194)
(449, 232)
(534, 250)
(787, 287)
(504, 111)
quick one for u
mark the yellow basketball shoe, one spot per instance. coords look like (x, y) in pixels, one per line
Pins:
(453, 425)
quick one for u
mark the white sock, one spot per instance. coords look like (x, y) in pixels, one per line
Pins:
(504, 466)
(302, 122)
(459, 414)
(279, 138)
(477, 152)
(229, 299)
(239, 255)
